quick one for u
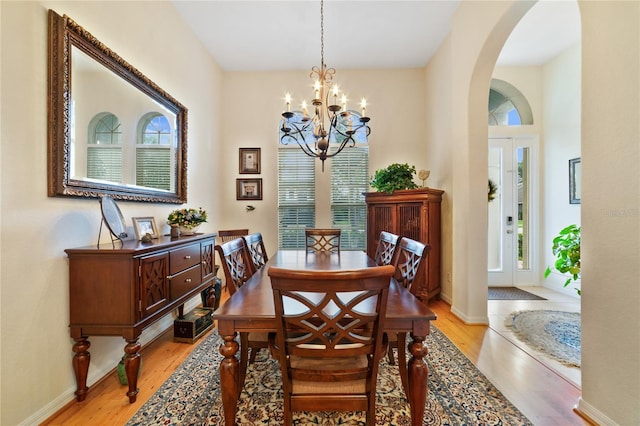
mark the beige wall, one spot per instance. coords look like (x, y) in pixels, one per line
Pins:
(611, 211)
(562, 116)
(36, 372)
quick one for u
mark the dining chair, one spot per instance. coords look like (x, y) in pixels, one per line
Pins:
(227, 235)
(386, 248)
(329, 338)
(255, 245)
(408, 258)
(230, 234)
(322, 239)
(238, 268)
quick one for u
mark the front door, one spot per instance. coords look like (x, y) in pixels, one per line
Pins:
(512, 226)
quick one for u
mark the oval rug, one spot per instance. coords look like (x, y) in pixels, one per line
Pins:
(556, 333)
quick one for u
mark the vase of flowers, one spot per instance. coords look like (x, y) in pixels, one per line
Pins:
(189, 220)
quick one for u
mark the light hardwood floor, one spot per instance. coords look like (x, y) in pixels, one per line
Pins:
(544, 395)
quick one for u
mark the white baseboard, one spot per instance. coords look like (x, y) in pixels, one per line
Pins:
(470, 320)
(592, 414)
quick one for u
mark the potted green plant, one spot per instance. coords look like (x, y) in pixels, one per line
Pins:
(394, 177)
(566, 248)
(188, 219)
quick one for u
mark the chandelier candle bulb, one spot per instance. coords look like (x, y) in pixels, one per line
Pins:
(363, 105)
(287, 99)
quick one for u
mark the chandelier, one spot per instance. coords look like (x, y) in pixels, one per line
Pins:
(328, 104)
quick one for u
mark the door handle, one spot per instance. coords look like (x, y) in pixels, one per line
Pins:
(509, 220)
(509, 231)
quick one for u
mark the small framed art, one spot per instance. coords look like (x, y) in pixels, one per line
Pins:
(145, 225)
(249, 161)
(248, 189)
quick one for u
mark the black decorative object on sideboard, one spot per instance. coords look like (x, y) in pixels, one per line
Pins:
(121, 291)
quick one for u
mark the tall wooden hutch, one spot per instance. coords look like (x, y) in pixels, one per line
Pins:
(414, 214)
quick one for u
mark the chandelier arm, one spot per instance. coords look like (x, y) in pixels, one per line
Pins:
(304, 146)
(298, 130)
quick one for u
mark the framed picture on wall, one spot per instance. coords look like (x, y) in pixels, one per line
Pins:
(145, 225)
(248, 189)
(575, 179)
(249, 161)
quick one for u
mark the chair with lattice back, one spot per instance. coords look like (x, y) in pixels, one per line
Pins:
(408, 259)
(238, 268)
(329, 338)
(386, 248)
(325, 240)
(258, 253)
(226, 235)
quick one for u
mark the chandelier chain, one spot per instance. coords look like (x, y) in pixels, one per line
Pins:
(322, 33)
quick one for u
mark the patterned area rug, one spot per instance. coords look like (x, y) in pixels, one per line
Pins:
(458, 393)
(511, 293)
(556, 333)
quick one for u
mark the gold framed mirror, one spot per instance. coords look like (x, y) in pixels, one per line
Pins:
(111, 130)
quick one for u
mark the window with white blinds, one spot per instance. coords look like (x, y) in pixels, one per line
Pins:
(104, 148)
(104, 162)
(296, 197)
(349, 179)
(153, 152)
(153, 165)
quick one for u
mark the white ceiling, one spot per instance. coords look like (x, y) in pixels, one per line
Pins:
(285, 34)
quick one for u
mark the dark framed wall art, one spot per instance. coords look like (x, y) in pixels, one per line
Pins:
(249, 161)
(248, 189)
(575, 179)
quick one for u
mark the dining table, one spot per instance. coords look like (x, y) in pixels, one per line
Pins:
(251, 309)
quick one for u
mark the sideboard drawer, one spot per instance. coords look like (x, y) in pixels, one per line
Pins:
(184, 282)
(183, 258)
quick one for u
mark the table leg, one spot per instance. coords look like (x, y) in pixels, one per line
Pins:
(81, 366)
(131, 367)
(418, 374)
(229, 378)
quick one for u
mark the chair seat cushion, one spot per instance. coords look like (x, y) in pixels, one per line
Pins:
(258, 337)
(328, 364)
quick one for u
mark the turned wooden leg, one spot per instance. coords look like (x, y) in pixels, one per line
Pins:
(131, 367)
(402, 363)
(418, 374)
(229, 378)
(81, 361)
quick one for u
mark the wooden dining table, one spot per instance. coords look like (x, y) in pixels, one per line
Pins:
(251, 309)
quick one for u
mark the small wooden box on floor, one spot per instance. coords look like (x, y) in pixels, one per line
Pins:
(193, 325)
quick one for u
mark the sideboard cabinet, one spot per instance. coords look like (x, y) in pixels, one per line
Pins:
(414, 214)
(120, 289)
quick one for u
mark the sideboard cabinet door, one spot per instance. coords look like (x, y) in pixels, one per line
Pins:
(154, 289)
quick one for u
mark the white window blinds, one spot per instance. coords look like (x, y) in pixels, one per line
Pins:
(296, 197)
(153, 166)
(349, 179)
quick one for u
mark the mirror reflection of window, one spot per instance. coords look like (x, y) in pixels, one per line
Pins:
(153, 152)
(104, 150)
